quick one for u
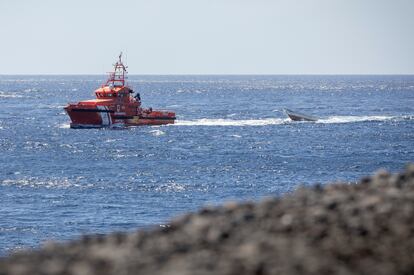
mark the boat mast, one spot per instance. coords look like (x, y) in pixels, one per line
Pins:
(118, 76)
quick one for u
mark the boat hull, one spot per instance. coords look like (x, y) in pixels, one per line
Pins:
(295, 116)
(102, 116)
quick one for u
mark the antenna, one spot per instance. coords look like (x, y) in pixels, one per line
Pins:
(120, 57)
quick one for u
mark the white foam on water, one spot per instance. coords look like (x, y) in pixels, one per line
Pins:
(351, 119)
(64, 126)
(157, 133)
(279, 121)
(56, 106)
(231, 122)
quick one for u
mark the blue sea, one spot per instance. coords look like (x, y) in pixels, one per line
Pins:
(231, 141)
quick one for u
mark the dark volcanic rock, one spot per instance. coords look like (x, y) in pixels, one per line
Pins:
(363, 228)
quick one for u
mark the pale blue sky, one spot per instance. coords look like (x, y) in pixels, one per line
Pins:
(208, 36)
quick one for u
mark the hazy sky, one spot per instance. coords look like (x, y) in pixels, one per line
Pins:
(208, 36)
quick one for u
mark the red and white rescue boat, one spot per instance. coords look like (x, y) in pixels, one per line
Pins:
(115, 105)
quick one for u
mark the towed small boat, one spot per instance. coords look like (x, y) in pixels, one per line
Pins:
(115, 105)
(295, 116)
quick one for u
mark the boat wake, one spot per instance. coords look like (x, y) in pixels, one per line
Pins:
(352, 119)
(231, 122)
(271, 121)
(279, 121)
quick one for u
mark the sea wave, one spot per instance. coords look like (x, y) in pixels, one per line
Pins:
(41, 182)
(171, 187)
(9, 95)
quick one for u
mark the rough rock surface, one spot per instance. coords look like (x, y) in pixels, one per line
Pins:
(363, 228)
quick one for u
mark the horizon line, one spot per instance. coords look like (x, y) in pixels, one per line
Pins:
(208, 74)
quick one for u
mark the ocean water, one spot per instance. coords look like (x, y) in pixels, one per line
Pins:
(231, 141)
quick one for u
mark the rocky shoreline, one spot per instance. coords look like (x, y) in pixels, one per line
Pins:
(362, 228)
